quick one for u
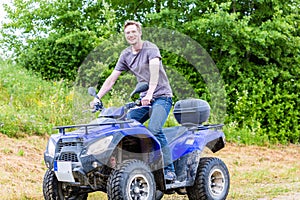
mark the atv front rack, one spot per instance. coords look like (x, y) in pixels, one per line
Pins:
(61, 129)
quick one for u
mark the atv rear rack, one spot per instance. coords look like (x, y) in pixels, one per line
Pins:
(210, 126)
(61, 129)
(195, 127)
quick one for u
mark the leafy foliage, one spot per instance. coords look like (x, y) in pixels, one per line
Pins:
(56, 36)
(254, 50)
(254, 44)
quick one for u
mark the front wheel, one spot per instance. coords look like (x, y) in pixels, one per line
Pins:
(131, 180)
(53, 189)
(212, 181)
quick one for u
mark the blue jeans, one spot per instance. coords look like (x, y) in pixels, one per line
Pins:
(158, 115)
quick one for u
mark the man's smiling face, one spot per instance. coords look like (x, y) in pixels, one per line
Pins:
(132, 34)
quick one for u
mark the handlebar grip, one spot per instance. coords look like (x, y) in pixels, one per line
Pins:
(98, 106)
(130, 105)
(138, 102)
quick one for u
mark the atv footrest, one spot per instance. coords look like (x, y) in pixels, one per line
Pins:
(179, 184)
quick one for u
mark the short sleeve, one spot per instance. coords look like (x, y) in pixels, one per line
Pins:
(153, 51)
(121, 64)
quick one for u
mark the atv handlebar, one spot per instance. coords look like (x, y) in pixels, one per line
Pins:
(98, 106)
(133, 104)
(140, 87)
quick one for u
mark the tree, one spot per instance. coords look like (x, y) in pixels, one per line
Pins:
(258, 56)
(54, 37)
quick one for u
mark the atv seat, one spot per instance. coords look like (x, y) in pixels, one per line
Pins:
(174, 132)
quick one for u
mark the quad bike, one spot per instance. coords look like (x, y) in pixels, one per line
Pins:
(122, 158)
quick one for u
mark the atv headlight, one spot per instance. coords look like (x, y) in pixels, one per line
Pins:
(99, 146)
(51, 148)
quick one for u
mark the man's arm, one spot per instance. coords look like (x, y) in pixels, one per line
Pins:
(154, 75)
(108, 83)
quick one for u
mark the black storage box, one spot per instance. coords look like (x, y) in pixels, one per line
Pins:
(191, 111)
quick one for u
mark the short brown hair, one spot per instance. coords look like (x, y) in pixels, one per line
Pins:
(131, 22)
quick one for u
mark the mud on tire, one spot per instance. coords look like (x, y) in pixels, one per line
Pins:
(212, 181)
(131, 180)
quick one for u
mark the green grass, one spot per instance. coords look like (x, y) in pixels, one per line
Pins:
(244, 135)
(30, 105)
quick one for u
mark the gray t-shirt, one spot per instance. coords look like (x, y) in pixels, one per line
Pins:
(138, 64)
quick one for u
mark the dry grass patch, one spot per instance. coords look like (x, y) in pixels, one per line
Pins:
(22, 167)
(256, 172)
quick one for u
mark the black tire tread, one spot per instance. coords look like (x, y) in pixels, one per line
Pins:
(198, 191)
(113, 185)
(51, 186)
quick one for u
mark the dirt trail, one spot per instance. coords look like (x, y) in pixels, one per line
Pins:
(256, 172)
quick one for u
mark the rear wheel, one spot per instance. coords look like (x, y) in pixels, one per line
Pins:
(212, 181)
(53, 189)
(131, 180)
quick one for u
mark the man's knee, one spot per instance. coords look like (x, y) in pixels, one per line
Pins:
(155, 130)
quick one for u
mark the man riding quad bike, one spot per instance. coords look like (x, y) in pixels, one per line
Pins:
(122, 158)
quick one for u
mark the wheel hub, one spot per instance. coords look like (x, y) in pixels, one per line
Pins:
(216, 182)
(139, 188)
(136, 190)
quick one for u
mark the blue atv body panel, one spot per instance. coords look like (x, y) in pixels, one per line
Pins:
(90, 147)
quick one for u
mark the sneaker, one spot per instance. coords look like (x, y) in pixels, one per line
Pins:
(170, 176)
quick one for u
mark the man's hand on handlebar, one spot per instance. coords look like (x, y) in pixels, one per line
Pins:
(96, 104)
